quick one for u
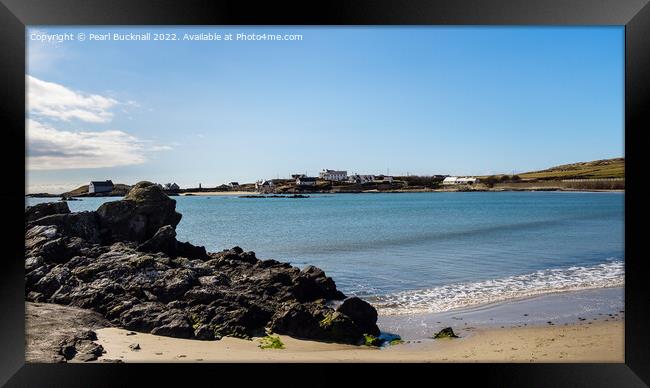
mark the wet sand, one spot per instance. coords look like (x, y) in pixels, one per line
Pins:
(593, 341)
(605, 304)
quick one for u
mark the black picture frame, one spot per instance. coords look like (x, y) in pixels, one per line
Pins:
(16, 14)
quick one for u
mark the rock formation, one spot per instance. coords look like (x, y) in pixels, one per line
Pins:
(124, 262)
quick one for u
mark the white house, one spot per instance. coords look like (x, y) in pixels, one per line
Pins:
(356, 178)
(454, 180)
(100, 186)
(333, 175)
(170, 186)
(305, 181)
(265, 186)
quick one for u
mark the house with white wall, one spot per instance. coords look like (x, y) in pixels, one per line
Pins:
(305, 181)
(333, 175)
(100, 186)
(265, 186)
(454, 180)
(360, 179)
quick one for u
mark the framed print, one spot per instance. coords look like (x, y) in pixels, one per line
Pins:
(269, 189)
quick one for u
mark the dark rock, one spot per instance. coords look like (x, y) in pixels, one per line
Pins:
(142, 212)
(312, 284)
(313, 321)
(88, 351)
(163, 241)
(175, 324)
(341, 328)
(362, 313)
(68, 349)
(204, 332)
(82, 224)
(38, 235)
(55, 333)
(185, 249)
(297, 320)
(81, 347)
(58, 250)
(53, 280)
(447, 332)
(33, 213)
(134, 347)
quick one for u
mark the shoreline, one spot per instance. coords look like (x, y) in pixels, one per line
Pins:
(534, 329)
(552, 309)
(496, 332)
(238, 193)
(600, 342)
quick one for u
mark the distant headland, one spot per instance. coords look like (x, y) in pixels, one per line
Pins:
(598, 175)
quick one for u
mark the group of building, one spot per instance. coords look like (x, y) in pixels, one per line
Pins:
(340, 176)
(96, 187)
(300, 180)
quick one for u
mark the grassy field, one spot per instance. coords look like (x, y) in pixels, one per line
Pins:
(597, 169)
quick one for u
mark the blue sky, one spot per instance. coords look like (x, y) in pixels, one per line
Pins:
(418, 100)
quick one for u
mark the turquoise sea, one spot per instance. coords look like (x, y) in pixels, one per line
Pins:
(422, 252)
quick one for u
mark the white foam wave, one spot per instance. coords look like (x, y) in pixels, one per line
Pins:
(454, 296)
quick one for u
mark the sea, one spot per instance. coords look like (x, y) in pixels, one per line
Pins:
(419, 253)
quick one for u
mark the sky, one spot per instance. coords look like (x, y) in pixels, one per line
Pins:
(369, 100)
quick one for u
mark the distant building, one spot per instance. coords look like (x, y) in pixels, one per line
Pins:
(305, 181)
(454, 180)
(383, 179)
(356, 178)
(233, 185)
(333, 175)
(100, 186)
(265, 186)
(296, 176)
(170, 186)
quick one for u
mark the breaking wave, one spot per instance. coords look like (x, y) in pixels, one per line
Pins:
(454, 296)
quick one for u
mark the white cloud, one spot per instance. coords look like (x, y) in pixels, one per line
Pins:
(52, 188)
(49, 148)
(52, 100)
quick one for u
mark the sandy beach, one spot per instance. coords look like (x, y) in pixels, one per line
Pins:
(582, 342)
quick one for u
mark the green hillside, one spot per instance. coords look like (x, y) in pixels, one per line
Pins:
(597, 169)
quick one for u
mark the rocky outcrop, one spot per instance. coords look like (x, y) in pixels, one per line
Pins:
(142, 212)
(33, 213)
(165, 241)
(124, 262)
(316, 321)
(363, 314)
(55, 333)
